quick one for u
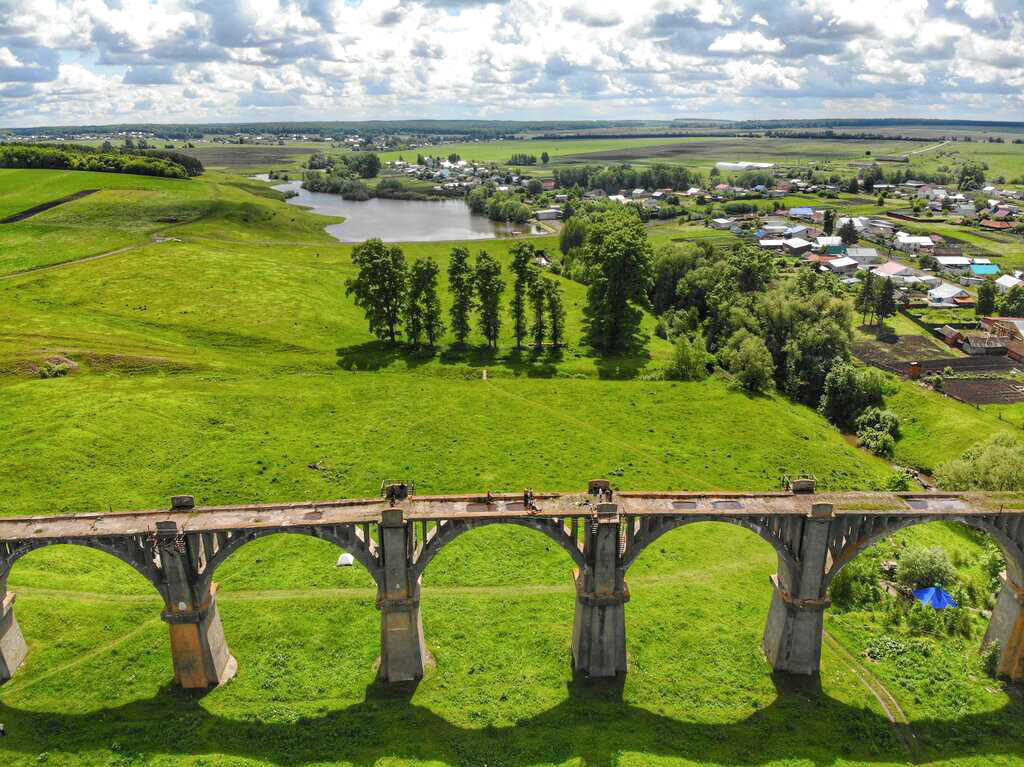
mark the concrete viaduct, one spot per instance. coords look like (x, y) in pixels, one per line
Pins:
(396, 537)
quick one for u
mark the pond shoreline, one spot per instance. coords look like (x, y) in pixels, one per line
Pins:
(398, 220)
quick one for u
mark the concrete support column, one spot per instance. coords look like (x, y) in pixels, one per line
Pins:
(198, 650)
(792, 636)
(12, 644)
(599, 628)
(1007, 628)
(403, 653)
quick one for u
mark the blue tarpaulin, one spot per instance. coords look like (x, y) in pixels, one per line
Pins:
(935, 597)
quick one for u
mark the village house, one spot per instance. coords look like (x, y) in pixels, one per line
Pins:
(721, 223)
(947, 295)
(771, 244)
(1007, 282)
(863, 256)
(796, 246)
(893, 270)
(845, 267)
(826, 242)
(909, 243)
(954, 265)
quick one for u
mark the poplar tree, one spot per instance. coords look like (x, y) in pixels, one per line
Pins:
(489, 287)
(538, 308)
(556, 312)
(461, 287)
(885, 304)
(523, 255)
(865, 303)
(422, 307)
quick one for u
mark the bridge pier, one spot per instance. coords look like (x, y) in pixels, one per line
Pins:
(403, 653)
(199, 651)
(792, 636)
(599, 627)
(12, 644)
(1007, 628)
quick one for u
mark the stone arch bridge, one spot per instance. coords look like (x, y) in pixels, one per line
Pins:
(814, 535)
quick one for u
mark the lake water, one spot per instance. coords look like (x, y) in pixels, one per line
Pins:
(402, 220)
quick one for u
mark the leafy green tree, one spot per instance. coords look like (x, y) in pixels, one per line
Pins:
(885, 300)
(544, 157)
(849, 233)
(379, 287)
(920, 568)
(670, 266)
(534, 186)
(866, 299)
(1011, 304)
(986, 299)
(556, 312)
(689, 360)
(971, 176)
(747, 358)
(618, 263)
(829, 223)
(462, 289)
(574, 231)
(489, 287)
(848, 391)
(537, 291)
(752, 268)
(422, 307)
(996, 463)
(524, 274)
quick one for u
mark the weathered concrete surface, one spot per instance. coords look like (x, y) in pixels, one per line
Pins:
(13, 649)
(403, 653)
(599, 627)
(792, 637)
(199, 653)
(1007, 628)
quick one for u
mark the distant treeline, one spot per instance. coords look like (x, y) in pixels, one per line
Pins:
(858, 136)
(611, 178)
(192, 165)
(873, 122)
(651, 134)
(64, 158)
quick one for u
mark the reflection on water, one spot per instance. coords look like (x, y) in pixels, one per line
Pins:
(402, 220)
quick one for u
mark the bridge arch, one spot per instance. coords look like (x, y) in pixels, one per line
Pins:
(448, 530)
(364, 553)
(657, 527)
(131, 551)
(848, 547)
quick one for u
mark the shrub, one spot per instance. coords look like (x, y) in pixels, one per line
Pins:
(856, 585)
(993, 464)
(848, 391)
(690, 360)
(921, 567)
(747, 358)
(54, 370)
(876, 419)
(878, 442)
(990, 659)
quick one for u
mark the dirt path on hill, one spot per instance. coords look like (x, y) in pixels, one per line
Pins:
(72, 262)
(885, 699)
(43, 207)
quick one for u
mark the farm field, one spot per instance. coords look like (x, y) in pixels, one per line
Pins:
(228, 363)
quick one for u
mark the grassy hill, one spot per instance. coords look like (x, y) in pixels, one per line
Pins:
(227, 362)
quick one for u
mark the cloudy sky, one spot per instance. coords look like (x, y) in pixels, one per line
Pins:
(98, 61)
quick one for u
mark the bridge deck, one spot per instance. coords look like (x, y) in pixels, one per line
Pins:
(502, 506)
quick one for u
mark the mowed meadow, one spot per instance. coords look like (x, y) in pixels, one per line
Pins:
(226, 361)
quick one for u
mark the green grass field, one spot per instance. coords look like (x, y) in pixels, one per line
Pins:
(229, 364)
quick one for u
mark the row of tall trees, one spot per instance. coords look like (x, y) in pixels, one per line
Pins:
(876, 299)
(394, 296)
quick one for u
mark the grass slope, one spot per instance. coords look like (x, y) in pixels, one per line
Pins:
(231, 365)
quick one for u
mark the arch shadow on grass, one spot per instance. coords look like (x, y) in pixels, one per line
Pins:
(591, 724)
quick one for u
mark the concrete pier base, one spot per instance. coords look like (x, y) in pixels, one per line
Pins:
(792, 636)
(403, 654)
(12, 644)
(599, 634)
(198, 650)
(1007, 628)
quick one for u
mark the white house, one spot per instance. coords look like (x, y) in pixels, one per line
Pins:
(956, 264)
(828, 242)
(548, 214)
(946, 295)
(772, 244)
(912, 244)
(796, 246)
(721, 223)
(1006, 282)
(843, 266)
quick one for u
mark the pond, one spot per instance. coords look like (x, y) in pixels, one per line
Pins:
(403, 220)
